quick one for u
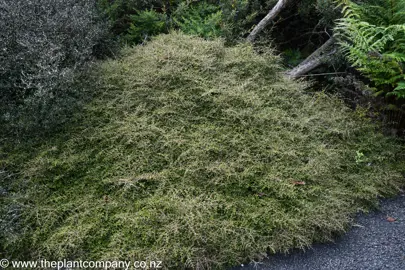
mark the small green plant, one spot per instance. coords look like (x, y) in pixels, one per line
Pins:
(145, 24)
(360, 157)
(292, 57)
(202, 19)
(372, 36)
(119, 13)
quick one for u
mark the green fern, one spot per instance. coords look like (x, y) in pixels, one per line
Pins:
(200, 19)
(372, 36)
(144, 24)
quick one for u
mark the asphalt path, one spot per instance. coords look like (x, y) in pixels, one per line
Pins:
(376, 241)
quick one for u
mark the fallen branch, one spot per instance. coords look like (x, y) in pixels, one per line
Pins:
(281, 4)
(317, 58)
(322, 74)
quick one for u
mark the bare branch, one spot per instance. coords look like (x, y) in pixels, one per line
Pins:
(281, 4)
(317, 58)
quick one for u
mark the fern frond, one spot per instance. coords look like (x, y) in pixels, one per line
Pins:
(372, 38)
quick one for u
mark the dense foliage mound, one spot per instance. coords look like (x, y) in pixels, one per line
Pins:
(198, 155)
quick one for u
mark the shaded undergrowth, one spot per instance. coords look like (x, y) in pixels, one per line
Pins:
(198, 155)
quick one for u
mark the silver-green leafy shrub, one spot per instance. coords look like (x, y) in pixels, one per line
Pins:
(44, 44)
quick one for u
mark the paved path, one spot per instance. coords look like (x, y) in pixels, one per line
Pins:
(374, 243)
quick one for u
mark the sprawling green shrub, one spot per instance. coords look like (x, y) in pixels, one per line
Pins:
(195, 154)
(43, 46)
(372, 35)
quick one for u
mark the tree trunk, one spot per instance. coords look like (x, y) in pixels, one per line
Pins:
(281, 4)
(317, 58)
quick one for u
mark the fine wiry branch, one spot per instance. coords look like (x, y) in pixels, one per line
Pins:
(317, 58)
(281, 4)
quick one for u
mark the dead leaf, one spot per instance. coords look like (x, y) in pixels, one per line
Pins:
(298, 183)
(391, 219)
